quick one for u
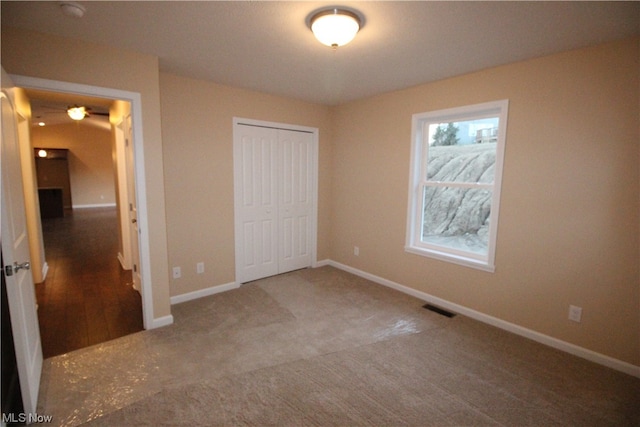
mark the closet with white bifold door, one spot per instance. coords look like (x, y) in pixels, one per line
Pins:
(275, 192)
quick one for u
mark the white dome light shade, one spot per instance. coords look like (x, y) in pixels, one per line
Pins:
(335, 27)
(73, 9)
(77, 113)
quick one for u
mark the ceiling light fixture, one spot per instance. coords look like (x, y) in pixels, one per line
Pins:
(76, 112)
(335, 27)
(73, 9)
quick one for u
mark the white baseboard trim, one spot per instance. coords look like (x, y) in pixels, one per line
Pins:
(177, 299)
(98, 205)
(161, 321)
(322, 263)
(582, 352)
(122, 262)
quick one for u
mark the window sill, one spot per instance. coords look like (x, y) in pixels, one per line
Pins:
(455, 259)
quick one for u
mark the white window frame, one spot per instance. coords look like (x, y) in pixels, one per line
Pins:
(418, 181)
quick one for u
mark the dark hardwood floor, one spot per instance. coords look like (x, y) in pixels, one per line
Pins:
(86, 298)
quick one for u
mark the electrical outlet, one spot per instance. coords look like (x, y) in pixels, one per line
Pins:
(177, 273)
(575, 313)
(356, 251)
(200, 267)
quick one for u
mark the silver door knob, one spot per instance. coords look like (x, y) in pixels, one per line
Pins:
(9, 270)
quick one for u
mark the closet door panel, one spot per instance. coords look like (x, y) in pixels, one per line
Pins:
(295, 201)
(257, 209)
(274, 175)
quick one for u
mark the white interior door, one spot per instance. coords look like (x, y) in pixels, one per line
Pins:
(295, 198)
(274, 179)
(255, 151)
(15, 251)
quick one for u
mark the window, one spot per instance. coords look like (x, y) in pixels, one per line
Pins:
(456, 172)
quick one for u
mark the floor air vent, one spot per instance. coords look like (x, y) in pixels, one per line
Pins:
(439, 310)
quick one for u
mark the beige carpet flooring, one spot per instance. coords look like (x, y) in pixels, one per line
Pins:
(321, 347)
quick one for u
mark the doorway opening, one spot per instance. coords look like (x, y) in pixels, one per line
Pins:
(91, 288)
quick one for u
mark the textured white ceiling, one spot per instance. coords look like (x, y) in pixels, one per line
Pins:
(267, 46)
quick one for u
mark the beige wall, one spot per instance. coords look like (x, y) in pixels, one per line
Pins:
(568, 231)
(197, 134)
(56, 58)
(569, 226)
(90, 161)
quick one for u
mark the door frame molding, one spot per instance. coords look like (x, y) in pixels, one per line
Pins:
(237, 121)
(125, 256)
(141, 194)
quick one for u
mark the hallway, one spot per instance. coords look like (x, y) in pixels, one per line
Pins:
(86, 298)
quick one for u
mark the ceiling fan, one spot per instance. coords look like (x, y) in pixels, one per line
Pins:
(75, 111)
(79, 112)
